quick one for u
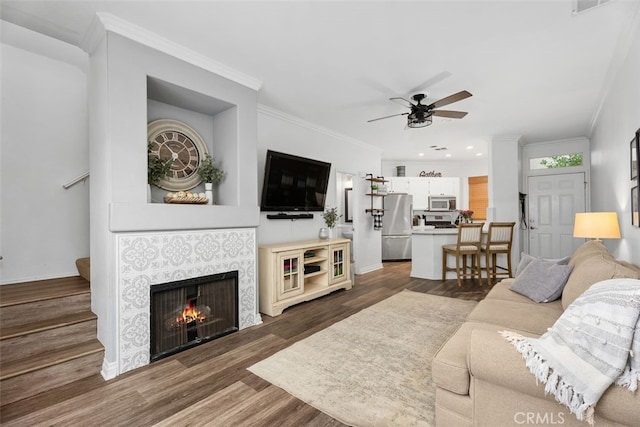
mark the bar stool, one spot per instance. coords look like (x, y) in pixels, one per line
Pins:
(469, 241)
(499, 240)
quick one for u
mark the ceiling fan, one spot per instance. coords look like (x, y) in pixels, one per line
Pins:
(422, 115)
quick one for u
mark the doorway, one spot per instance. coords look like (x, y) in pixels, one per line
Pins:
(553, 203)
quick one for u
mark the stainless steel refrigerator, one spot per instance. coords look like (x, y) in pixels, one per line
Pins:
(397, 227)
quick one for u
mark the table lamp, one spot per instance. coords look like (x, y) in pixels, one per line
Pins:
(596, 225)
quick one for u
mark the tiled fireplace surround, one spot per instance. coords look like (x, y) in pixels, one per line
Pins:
(148, 259)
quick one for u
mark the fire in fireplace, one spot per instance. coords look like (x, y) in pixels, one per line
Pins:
(189, 312)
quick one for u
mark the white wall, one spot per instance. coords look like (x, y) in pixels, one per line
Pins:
(45, 228)
(448, 168)
(504, 185)
(615, 127)
(287, 134)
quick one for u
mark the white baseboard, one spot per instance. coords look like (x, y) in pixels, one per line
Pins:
(109, 370)
(36, 278)
(370, 268)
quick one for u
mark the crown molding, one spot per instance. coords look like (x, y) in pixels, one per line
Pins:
(106, 22)
(312, 126)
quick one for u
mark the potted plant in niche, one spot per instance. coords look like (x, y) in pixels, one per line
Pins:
(156, 170)
(210, 175)
(331, 218)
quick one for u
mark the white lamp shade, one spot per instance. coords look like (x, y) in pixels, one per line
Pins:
(596, 225)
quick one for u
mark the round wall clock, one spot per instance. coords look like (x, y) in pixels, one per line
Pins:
(177, 141)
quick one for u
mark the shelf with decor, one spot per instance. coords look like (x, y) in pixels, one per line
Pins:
(374, 182)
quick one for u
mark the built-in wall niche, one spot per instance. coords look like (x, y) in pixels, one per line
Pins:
(215, 121)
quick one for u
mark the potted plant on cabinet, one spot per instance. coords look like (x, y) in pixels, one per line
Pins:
(210, 175)
(331, 218)
(156, 170)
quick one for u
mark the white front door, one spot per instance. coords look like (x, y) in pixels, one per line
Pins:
(553, 202)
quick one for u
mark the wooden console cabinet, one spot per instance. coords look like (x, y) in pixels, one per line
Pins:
(294, 272)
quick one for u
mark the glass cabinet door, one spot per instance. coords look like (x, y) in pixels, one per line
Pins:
(339, 263)
(290, 274)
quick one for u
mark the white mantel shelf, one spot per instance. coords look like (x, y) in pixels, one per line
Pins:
(132, 217)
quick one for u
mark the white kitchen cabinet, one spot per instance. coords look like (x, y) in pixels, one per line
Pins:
(419, 189)
(423, 187)
(398, 184)
(445, 186)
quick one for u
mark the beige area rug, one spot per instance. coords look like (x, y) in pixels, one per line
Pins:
(373, 368)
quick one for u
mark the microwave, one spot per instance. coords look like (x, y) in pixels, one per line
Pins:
(442, 203)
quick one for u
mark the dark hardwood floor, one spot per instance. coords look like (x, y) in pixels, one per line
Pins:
(209, 384)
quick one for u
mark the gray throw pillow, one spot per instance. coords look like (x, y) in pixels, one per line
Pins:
(525, 259)
(542, 280)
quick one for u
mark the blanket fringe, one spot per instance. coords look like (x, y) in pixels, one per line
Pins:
(563, 392)
(629, 379)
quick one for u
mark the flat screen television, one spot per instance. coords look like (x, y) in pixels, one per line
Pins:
(293, 183)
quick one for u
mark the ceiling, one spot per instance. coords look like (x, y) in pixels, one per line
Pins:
(534, 68)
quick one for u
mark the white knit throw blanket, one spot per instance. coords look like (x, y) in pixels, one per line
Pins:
(595, 343)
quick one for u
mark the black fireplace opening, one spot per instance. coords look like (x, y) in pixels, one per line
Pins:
(190, 312)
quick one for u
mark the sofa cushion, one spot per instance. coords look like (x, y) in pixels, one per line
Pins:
(501, 291)
(449, 366)
(542, 280)
(591, 264)
(525, 260)
(527, 317)
(587, 250)
(486, 349)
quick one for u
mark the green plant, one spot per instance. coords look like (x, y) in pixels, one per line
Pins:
(331, 217)
(208, 172)
(563, 161)
(156, 167)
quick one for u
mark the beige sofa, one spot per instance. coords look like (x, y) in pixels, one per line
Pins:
(480, 378)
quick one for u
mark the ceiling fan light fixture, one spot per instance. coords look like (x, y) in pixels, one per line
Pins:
(419, 120)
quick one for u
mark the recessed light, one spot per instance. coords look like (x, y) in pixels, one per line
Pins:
(478, 154)
(469, 147)
(448, 155)
(420, 154)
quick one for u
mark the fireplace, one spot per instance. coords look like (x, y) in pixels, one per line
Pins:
(190, 312)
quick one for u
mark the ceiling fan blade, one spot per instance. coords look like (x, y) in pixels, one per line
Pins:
(432, 81)
(450, 99)
(450, 114)
(404, 102)
(386, 117)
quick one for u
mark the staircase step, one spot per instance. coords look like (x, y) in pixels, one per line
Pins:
(47, 336)
(35, 302)
(44, 325)
(84, 268)
(38, 337)
(21, 293)
(59, 367)
(54, 357)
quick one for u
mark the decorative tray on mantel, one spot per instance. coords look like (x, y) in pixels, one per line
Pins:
(186, 200)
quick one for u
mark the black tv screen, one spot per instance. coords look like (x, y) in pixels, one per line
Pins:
(293, 183)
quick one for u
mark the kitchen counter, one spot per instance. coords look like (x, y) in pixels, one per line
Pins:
(425, 230)
(426, 251)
